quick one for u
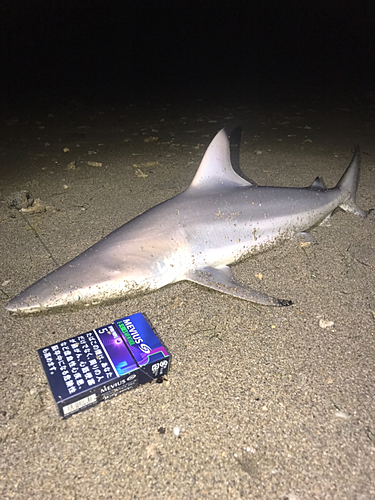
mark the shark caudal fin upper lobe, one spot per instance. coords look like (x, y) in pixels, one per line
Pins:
(349, 183)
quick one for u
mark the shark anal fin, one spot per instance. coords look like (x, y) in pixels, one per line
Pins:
(305, 238)
(223, 281)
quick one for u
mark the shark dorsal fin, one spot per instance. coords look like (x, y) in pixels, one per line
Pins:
(215, 170)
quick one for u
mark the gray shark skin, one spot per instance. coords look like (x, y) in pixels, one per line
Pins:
(220, 219)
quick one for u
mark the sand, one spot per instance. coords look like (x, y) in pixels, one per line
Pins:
(270, 403)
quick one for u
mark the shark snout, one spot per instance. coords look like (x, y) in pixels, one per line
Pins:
(18, 305)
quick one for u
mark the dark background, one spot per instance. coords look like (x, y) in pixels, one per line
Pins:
(96, 49)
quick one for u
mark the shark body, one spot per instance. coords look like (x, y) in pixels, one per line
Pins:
(220, 219)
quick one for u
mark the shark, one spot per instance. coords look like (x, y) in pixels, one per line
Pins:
(219, 220)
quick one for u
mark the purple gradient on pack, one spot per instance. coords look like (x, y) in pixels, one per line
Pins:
(146, 345)
(116, 350)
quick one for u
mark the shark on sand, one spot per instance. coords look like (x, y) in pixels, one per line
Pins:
(220, 219)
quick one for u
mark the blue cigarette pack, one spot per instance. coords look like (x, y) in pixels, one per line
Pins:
(102, 363)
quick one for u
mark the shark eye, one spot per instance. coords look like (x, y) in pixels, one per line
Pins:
(76, 296)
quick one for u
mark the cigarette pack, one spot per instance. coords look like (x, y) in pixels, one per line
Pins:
(102, 363)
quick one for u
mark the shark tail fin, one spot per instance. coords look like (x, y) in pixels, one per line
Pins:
(349, 183)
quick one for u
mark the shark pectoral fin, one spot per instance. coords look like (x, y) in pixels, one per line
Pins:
(223, 281)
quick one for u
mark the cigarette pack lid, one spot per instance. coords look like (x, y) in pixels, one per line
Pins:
(143, 344)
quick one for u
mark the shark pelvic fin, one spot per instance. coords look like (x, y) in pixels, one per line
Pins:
(215, 170)
(223, 281)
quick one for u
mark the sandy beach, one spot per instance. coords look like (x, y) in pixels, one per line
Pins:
(269, 402)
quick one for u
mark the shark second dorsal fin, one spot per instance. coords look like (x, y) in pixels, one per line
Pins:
(318, 184)
(215, 170)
